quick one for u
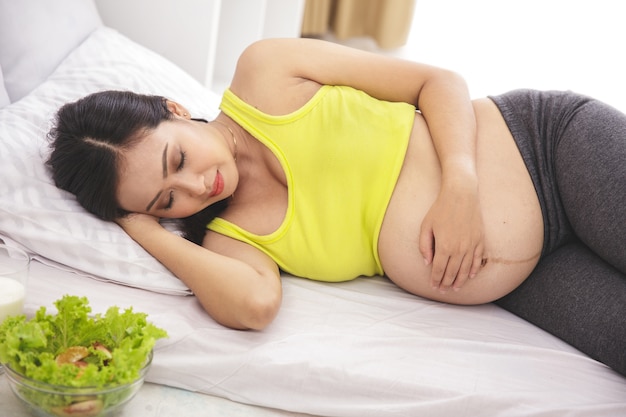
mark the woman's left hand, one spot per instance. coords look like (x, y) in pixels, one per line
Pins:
(451, 236)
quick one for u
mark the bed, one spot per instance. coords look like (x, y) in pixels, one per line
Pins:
(360, 348)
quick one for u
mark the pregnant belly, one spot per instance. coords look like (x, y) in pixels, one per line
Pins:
(513, 226)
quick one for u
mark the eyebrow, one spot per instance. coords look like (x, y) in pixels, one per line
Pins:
(164, 162)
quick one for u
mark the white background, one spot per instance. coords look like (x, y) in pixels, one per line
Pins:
(499, 45)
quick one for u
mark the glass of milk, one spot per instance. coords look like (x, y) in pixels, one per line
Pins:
(14, 265)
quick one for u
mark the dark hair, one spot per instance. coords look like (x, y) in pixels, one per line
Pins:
(87, 140)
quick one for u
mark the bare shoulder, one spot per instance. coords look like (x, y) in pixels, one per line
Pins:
(272, 56)
(266, 77)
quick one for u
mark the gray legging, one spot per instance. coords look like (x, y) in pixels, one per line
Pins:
(575, 150)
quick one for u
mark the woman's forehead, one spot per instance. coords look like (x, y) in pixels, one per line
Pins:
(146, 153)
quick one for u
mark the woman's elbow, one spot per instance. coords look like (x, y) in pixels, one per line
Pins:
(261, 310)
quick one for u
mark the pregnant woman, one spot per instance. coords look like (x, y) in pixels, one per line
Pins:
(332, 163)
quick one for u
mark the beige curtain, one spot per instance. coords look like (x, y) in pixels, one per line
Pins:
(387, 21)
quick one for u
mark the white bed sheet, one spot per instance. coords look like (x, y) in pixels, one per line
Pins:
(360, 348)
(154, 400)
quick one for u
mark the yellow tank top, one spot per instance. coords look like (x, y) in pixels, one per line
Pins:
(342, 153)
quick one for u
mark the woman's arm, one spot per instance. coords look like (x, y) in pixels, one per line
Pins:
(451, 238)
(242, 292)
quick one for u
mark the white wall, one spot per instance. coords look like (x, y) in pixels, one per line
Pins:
(238, 29)
(204, 37)
(184, 31)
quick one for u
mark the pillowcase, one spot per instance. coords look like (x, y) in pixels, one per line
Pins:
(36, 35)
(49, 222)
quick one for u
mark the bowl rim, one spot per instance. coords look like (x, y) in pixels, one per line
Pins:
(26, 381)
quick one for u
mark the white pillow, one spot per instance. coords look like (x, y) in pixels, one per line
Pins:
(36, 35)
(49, 222)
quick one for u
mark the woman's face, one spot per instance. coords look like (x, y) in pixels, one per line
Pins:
(176, 170)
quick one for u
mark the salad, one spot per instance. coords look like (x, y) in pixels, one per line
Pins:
(75, 348)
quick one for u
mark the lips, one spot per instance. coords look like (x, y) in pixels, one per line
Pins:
(218, 185)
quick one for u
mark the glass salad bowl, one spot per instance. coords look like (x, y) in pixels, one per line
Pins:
(75, 363)
(47, 400)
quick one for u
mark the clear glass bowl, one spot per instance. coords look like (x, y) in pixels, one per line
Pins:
(46, 400)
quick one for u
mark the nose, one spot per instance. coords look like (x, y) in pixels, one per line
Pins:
(193, 184)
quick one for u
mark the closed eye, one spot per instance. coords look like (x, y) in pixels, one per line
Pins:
(183, 158)
(181, 165)
(170, 201)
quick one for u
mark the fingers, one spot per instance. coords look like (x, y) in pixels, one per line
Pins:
(445, 271)
(447, 274)
(477, 262)
(427, 245)
(452, 272)
(463, 274)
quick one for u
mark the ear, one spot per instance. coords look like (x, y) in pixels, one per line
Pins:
(177, 109)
